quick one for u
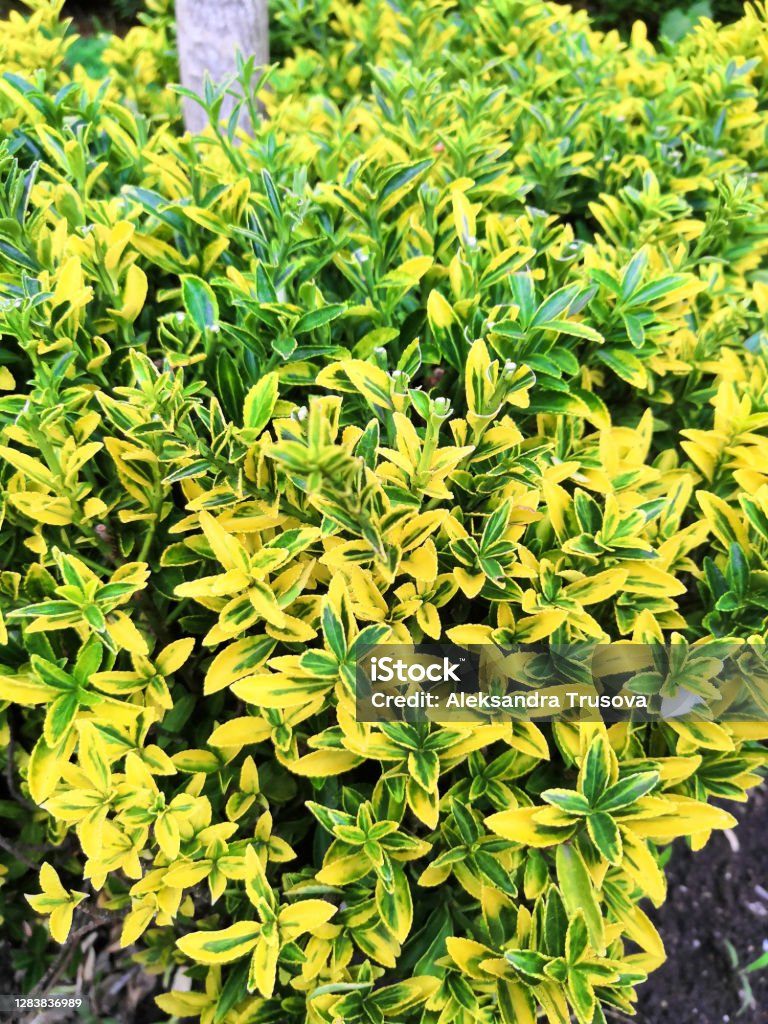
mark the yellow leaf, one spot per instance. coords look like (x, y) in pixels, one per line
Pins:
(470, 585)
(321, 763)
(305, 916)
(465, 636)
(414, 269)
(69, 281)
(239, 732)
(651, 581)
(124, 633)
(343, 870)
(642, 867)
(26, 690)
(519, 826)
(221, 947)
(426, 806)
(463, 219)
(225, 547)
(439, 310)
(263, 968)
(46, 765)
(172, 657)
(137, 920)
(30, 467)
(599, 587)
(237, 660)
(686, 817)
(134, 293)
(50, 883)
(479, 382)
(422, 563)
(60, 922)
(725, 522)
(279, 691)
(56, 901)
(467, 954)
(638, 927)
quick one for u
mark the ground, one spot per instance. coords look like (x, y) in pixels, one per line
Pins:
(716, 897)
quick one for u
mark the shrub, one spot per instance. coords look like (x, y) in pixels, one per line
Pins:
(466, 342)
(662, 16)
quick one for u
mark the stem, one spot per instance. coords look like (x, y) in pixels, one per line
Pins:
(17, 854)
(60, 964)
(9, 776)
(149, 537)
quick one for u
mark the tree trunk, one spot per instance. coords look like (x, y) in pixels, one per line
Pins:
(210, 32)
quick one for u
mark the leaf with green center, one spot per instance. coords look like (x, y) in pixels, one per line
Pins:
(627, 791)
(199, 302)
(578, 892)
(567, 800)
(604, 833)
(221, 947)
(595, 773)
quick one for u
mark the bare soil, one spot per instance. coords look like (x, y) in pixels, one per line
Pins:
(716, 896)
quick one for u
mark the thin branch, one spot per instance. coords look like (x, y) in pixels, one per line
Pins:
(617, 1015)
(9, 772)
(102, 914)
(53, 975)
(17, 854)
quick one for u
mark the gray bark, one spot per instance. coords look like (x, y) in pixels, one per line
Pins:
(210, 32)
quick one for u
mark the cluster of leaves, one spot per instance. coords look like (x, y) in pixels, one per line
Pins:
(670, 18)
(465, 342)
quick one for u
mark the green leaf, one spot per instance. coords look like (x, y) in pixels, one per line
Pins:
(633, 272)
(555, 924)
(397, 183)
(582, 996)
(260, 403)
(655, 290)
(557, 303)
(528, 962)
(604, 833)
(567, 799)
(625, 365)
(333, 631)
(269, 187)
(524, 297)
(578, 893)
(199, 302)
(317, 318)
(596, 770)
(627, 791)
(60, 717)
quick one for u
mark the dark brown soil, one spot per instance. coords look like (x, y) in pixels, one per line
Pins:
(716, 896)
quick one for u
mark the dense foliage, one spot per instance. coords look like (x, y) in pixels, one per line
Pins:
(467, 341)
(662, 16)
